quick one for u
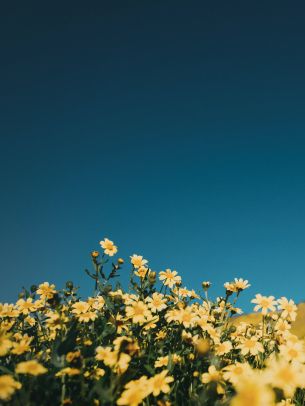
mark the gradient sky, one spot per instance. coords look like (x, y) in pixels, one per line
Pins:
(174, 128)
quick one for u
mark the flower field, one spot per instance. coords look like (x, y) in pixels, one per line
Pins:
(159, 343)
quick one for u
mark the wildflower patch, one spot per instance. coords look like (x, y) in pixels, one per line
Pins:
(159, 343)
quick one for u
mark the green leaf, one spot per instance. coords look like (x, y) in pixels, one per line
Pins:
(105, 394)
(68, 344)
(6, 370)
(56, 360)
(170, 365)
(149, 369)
(90, 274)
(100, 270)
(108, 330)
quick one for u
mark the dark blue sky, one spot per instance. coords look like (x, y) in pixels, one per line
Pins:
(174, 128)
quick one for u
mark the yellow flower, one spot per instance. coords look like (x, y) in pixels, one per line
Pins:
(182, 292)
(23, 345)
(212, 375)
(202, 345)
(214, 334)
(292, 337)
(99, 372)
(130, 298)
(241, 284)
(40, 304)
(8, 310)
(121, 342)
(250, 346)
(26, 306)
(5, 344)
(46, 291)
(86, 317)
(109, 247)
(176, 358)
(135, 392)
(82, 311)
(80, 307)
(282, 326)
(122, 362)
(235, 372)
(6, 325)
(203, 322)
(230, 287)
(293, 351)
(141, 272)
(193, 294)
(106, 355)
(138, 261)
(95, 254)
(284, 375)
(159, 383)
(151, 322)
(223, 348)
(53, 321)
(31, 367)
(30, 320)
(120, 323)
(138, 312)
(251, 391)
(156, 302)
(8, 386)
(96, 373)
(187, 317)
(288, 307)
(161, 335)
(264, 303)
(170, 278)
(71, 356)
(161, 362)
(68, 371)
(172, 315)
(285, 402)
(116, 294)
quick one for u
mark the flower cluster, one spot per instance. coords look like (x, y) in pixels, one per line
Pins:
(159, 343)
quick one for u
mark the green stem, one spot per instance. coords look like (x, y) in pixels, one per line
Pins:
(207, 299)
(63, 390)
(96, 277)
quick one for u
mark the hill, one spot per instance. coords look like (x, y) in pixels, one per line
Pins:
(298, 327)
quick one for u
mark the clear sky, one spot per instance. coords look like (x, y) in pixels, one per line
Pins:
(175, 128)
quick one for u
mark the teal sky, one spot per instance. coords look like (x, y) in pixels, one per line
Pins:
(176, 129)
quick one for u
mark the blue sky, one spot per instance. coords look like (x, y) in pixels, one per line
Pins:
(176, 129)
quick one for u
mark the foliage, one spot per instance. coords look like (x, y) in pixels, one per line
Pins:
(158, 344)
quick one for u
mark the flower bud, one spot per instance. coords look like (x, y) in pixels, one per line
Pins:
(233, 329)
(95, 254)
(117, 299)
(152, 277)
(33, 288)
(206, 285)
(202, 346)
(69, 285)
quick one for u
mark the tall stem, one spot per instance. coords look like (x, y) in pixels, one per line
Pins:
(63, 385)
